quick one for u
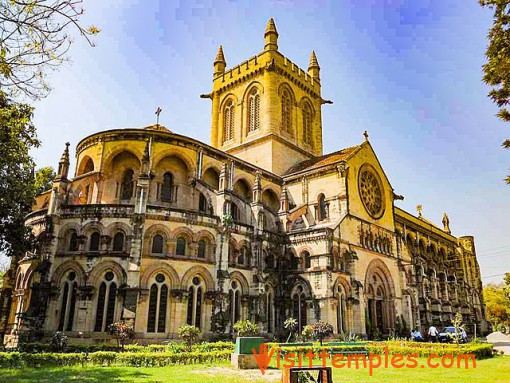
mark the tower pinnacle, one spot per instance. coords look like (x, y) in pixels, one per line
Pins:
(219, 62)
(63, 164)
(313, 66)
(271, 36)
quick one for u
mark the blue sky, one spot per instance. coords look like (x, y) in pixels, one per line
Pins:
(408, 72)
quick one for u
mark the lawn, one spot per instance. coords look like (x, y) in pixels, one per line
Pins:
(492, 370)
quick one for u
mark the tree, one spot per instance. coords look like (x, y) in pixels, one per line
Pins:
(33, 40)
(17, 187)
(189, 334)
(290, 324)
(321, 330)
(44, 179)
(497, 304)
(122, 331)
(497, 69)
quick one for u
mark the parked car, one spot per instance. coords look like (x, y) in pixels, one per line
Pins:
(448, 335)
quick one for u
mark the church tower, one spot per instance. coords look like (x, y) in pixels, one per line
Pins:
(267, 110)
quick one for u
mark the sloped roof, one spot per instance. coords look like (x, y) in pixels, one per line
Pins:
(328, 159)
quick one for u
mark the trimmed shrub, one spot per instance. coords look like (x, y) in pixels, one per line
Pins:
(246, 328)
(110, 358)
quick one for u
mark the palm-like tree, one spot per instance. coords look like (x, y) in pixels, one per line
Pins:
(290, 324)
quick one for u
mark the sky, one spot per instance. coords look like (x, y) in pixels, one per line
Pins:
(408, 72)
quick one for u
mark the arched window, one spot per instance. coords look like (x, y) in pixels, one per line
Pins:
(253, 110)
(307, 123)
(68, 302)
(94, 241)
(242, 258)
(128, 183)
(234, 212)
(286, 111)
(203, 205)
(235, 302)
(202, 246)
(106, 300)
(118, 242)
(340, 311)
(180, 249)
(294, 262)
(167, 187)
(73, 242)
(299, 307)
(157, 244)
(158, 300)
(322, 208)
(228, 121)
(89, 166)
(307, 259)
(195, 292)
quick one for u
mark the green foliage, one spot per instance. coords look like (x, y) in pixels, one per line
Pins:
(110, 358)
(35, 39)
(122, 331)
(44, 179)
(189, 334)
(291, 325)
(497, 304)
(307, 332)
(246, 328)
(480, 351)
(497, 69)
(17, 188)
(501, 328)
(59, 341)
(321, 330)
(459, 328)
(174, 347)
(349, 337)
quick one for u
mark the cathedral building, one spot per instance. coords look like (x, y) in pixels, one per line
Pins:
(161, 230)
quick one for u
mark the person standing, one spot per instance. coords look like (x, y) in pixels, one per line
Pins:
(433, 334)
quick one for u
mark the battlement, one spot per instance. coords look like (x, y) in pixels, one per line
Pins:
(267, 61)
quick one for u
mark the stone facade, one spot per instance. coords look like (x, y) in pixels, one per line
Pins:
(160, 229)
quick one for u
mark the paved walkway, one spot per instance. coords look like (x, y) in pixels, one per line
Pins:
(500, 341)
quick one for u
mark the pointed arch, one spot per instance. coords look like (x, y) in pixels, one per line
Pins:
(150, 272)
(101, 268)
(201, 272)
(67, 266)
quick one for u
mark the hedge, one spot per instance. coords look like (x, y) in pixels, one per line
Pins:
(90, 348)
(479, 350)
(109, 358)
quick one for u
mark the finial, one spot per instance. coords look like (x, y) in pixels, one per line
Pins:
(158, 112)
(271, 27)
(220, 58)
(419, 208)
(219, 62)
(365, 133)
(313, 61)
(446, 224)
(313, 67)
(63, 164)
(271, 36)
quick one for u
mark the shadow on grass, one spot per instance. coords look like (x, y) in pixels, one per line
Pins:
(73, 374)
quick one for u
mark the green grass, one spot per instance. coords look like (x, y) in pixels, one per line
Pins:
(494, 370)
